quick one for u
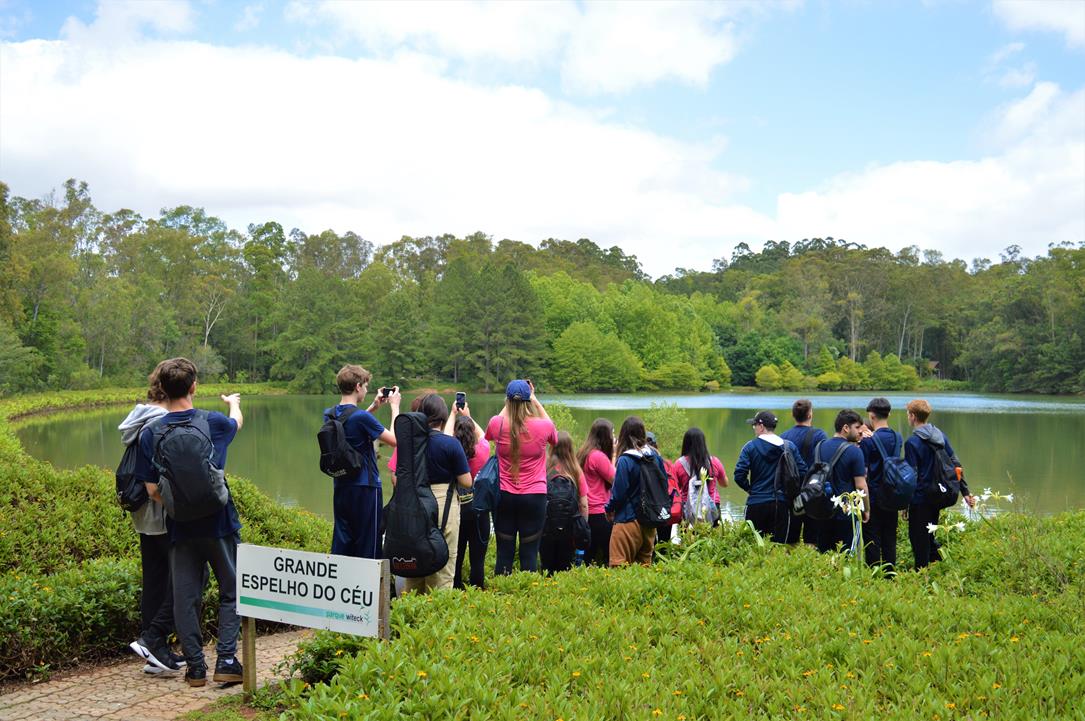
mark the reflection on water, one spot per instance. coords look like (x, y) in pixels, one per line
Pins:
(1032, 446)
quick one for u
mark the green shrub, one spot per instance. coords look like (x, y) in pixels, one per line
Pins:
(732, 630)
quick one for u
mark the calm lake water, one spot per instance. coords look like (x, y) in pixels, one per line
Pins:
(1033, 446)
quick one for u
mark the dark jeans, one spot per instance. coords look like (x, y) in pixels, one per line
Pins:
(599, 551)
(519, 515)
(474, 538)
(833, 532)
(156, 601)
(880, 537)
(357, 530)
(556, 553)
(769, 519)
(804, 528)
(924, 545)
(663, 533)
(187, 560)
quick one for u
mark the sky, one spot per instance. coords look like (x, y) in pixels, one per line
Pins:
(673, 130)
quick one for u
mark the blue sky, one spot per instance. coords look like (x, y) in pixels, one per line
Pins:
(753, 120)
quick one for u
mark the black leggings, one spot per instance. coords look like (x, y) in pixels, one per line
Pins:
(523, 515)
(474, 539)
(156, 601)
(599, 551)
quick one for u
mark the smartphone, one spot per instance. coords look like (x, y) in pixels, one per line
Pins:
(461, 399)
(385, 392)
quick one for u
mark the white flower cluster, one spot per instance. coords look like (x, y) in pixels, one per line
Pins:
(850, 503)
(989, 495)
(932, 527)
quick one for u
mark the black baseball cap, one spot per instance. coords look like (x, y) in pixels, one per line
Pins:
(766, 418)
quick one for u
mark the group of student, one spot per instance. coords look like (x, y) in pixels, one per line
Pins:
(178, 543)
(605, 471)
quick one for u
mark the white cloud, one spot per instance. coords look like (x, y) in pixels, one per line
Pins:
(250, 17)
(394, 146)
(599, 47)
(1020, 77)
(123, 20)
(383, 147)
(1062, 16)
(1030, 191)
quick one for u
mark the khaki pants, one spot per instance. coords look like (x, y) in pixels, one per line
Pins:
(444, 577)
(631, 543)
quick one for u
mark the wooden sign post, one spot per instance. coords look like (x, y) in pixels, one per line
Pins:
(314, 590)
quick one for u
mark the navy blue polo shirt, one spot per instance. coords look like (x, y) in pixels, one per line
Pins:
(362, 428)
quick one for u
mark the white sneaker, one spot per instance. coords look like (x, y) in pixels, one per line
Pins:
(141, 650)
(152, 670)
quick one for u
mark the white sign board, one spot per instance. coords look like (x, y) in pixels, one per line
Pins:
(315, 590)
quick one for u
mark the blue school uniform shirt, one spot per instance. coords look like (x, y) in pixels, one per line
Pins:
(361, 428)
(797, 435)
(755, 470)
(920, 456)
(445, 459)
(220, 524)
(875, 469)
(625, 493)
(848, 466)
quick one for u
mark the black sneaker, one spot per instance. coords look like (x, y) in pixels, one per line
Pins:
(177, 659)
(161, 658)
(227, 671)
(196, 675)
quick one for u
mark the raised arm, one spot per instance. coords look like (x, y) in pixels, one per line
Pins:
(233, 401)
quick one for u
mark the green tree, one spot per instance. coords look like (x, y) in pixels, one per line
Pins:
(768, 377)
(586, 359)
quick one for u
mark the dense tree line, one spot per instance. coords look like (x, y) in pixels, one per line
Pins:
(90, 298)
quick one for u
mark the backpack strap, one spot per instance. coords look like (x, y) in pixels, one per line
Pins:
(807, 441)
(448, 504)
(836, 456)
(342, 417)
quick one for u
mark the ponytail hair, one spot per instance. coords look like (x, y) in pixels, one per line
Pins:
(563, 459)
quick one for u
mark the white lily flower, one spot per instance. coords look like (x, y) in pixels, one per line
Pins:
(1009, 497)
(986, 493)
(959, 526)
(838, 502)
(931, 528)
(861, 492)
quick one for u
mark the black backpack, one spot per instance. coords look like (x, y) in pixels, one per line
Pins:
(815, 498)
(414, 543)
(788, 478)
(655, 498)
(562, 504)
(131, 494)
(337, 457)
(945, 487)
(191, 485)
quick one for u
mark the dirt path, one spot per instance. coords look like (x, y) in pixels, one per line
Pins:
(122, 692)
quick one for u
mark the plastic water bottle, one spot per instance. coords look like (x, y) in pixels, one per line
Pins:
(578, 559)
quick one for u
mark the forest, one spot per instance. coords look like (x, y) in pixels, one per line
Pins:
(93, 299)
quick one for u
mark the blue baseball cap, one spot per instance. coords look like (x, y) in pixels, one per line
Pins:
(518, 391)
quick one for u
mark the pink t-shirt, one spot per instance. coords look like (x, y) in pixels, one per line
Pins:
(716, 475)
(537, 434)
(598, 476)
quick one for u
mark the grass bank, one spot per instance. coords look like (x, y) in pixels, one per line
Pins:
(727, 628)
(69, 558)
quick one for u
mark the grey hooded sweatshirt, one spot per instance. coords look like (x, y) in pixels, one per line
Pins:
(150, 519)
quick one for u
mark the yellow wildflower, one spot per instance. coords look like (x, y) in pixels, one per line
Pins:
(422, 674)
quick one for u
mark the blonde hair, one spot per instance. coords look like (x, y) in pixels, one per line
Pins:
(919, 408)
(518, 412)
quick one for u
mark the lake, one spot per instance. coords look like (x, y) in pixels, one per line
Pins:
(1033, 446)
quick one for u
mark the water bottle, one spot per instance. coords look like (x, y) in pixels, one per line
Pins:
(578, 559)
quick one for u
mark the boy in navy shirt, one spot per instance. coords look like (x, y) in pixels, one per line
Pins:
(755, 473)
(880, 533)
(357, 503)
(805, 437)
(211, 540)
(849, 474)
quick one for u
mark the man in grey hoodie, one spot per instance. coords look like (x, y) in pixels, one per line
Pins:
(920, 454)
(149, 520)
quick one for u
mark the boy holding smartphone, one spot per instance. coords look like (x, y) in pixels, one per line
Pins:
(357, 503)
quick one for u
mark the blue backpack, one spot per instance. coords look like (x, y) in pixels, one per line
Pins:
(487, 487)
(898, 480)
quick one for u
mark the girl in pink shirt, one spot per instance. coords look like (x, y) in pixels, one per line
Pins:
(696, 459)
(520, 433)
(557, 548)
(596, 459)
